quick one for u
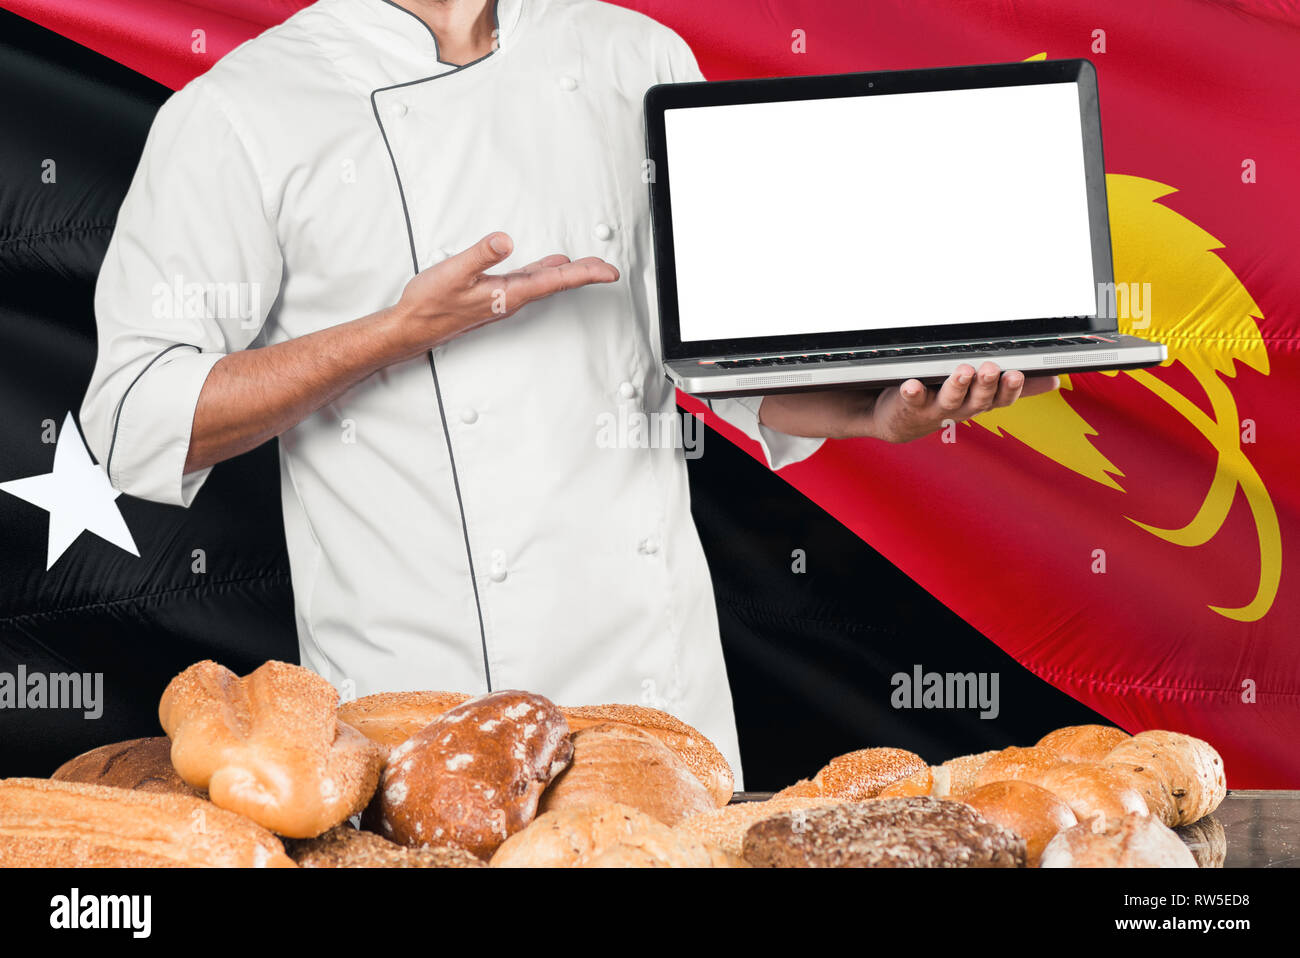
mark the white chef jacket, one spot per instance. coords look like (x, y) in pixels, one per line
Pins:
(453, 522)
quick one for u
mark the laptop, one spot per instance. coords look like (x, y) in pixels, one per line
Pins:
(869, 228)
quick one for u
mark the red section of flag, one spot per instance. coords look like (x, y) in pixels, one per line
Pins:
(1192, 95)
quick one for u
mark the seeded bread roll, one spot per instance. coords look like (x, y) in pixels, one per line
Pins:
(269, 746)
(1206, 840)
(142, 764)
(1191, 767)
(49, 824)
(1015, 763)
(918, 783)
(389, 718)
(963, 771)
(628, 766)
(887, 833)
(1150, 781)
(726, 827)
(1033, 813)
(472, 777)
(1131, 841)
(857, 776)
(606, 835)
(1084, 743)
(1091, 790)
(345, 847)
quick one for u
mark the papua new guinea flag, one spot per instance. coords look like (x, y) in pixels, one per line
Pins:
(1130, 539)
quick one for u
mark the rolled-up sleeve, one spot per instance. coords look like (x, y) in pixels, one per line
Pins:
(190, 274)
(779, 448)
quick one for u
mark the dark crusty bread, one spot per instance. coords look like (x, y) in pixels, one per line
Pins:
(920, 832)
(345, 847)
(472, 777)
(142, 764)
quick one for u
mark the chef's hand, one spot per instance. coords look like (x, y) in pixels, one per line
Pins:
(459, 294)
(900, 413)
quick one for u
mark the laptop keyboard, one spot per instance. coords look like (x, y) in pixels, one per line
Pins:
(927, 351)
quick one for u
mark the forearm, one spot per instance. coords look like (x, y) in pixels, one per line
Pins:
(256, 394)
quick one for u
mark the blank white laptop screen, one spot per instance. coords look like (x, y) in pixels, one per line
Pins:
(873, 212)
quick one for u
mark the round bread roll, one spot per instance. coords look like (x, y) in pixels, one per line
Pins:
(345, 847)
(1206, 840)
(140, 764)
(627, 765)
(1150, 781)
(1015, 763)
(692, 747)
(726, 827)
(389, 718)
(472, 777)
(917, 832)
(1190, 766)
(918, 783)
(1033, 813)
(857, 776)
(606, 835)
(962, 771)
(1084, 743)
(1091, 790)
(1131, 841)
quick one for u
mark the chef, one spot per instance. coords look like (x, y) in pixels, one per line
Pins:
(411, 239)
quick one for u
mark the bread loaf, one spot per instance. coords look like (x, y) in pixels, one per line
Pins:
(1033, 813)
(606, 835)
(346, 847)
(726, 827)
(1191, 768)
(628, 766)
(49, 824)
(886, 833)
(856, 776)
(269, 746)
(1130, 841)
(472, 777)
(963, 771)
(1084, 743)
(389, 718)
(918, 783)
(143, 764)
(1015, 763)
(1091, 790)
(700, 755)
(1150, 781)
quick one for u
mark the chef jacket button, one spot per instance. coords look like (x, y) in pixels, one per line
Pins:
(469, 416)
(627, 390)
(497, 571)
(568, 83)
(400, 109)
(603, 231)
(649, 546)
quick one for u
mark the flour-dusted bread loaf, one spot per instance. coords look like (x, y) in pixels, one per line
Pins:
(1084, 743)
(628, 766)
(1131, 841)
(269, 746)
(918, 832)
(1091, 790)
(1190, 766)
(389, 718)
(1015, 763)
(49, 824)
(142, 764)
(726, 827)
(1033, 813)
(700, 755)
(1206, 840)
(606, 835)
(856, 776)
(345, 847)
(472, 777)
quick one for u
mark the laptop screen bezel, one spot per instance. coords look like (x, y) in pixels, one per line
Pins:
(670, 96)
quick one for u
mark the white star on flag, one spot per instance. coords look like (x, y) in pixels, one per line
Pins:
(77, 495)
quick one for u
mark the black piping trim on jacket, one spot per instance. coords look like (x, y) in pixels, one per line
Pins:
(117, 414)
(415, 267)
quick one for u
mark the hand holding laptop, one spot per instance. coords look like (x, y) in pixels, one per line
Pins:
(900, 413)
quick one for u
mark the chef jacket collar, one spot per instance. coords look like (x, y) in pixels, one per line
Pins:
(396, 19)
